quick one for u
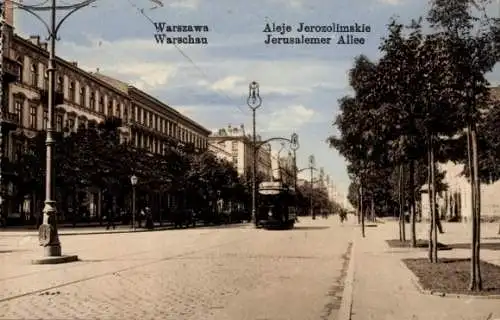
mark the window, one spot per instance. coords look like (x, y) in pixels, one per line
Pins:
(151, 120)
(82, 97)
(33, 112)
(59, 84)
(117, 110)
(21, 64)
(18, 110)
(59, 123)
(34, 75)
(92, 101)
(101, 104)
(125, 114)
(72, 93)
(45, 80)
(71, 124)
(109, 112)
(45, 119)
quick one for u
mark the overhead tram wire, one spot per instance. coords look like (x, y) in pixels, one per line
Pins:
(225, 96)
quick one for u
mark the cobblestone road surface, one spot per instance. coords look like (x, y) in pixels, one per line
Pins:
(208, 273)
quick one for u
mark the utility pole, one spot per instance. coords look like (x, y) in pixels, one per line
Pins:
(254, 101)
(312, 163)
(48, 235)
(294, 145)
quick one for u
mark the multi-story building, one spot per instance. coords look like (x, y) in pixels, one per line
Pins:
(81, 98)
(283, 167)
(455, 203)
(220, 152)
(236, 142)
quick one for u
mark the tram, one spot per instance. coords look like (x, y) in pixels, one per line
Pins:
(276, 206)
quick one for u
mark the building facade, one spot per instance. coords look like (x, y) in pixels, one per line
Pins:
(455, 203)
(81, 98)
(238, 144)
(283, 167)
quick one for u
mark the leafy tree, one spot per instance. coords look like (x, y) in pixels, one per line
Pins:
(472, 42)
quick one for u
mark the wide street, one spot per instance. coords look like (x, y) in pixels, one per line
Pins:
(233, 272)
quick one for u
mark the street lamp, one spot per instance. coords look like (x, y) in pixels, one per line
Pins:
(133, 182)
(254, 101)
(48, 235)
(294, 145)
(312, 163)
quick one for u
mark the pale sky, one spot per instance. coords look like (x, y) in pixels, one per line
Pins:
(299, 84)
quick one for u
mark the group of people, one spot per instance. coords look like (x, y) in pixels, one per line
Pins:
(144, 215)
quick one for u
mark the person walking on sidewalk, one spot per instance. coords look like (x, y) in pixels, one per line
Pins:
(111, 219)
(111, 215)
(438, 220)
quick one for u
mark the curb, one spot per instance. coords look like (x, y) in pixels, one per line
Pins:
(418, 286)
(73, 233)
(344, 312)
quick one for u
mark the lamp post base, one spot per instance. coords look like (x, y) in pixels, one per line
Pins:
(55, 259)
(52, 251)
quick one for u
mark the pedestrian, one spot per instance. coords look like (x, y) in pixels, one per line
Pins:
(141, 217)
(438, 221)
(111, 219)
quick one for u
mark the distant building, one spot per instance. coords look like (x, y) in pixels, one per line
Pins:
(235, 141)
(283, 167)
(456, 201)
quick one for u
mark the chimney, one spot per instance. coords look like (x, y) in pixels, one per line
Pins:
(43, 45)
(9, 13)
(35, 40)
(75, 64)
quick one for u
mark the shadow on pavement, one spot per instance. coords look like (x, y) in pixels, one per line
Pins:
(310, 228)
(484, 245)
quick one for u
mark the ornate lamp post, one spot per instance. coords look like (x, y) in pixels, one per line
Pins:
(254, 101)
(133, 182)
(48, 234)
(312, 164)
(294, 145)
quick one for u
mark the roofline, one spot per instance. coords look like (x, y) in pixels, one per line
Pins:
(69, 65)
(176, 113)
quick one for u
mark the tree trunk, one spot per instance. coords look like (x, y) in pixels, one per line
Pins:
(473, 265)
(432, 202)
(476, 219)
(360, 207)
(372, 209)
(362, 211)
(413, 215)
(434, 213)
(402, 226)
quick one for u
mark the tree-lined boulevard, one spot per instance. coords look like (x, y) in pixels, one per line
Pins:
(426, 100)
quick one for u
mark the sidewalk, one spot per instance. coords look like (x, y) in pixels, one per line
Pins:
(383, 287)
(97, 229)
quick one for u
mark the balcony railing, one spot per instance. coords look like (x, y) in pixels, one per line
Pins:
(12, 70)
(9, 117)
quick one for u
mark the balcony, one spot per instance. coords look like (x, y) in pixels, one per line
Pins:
(9, 121)
(12, 70)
